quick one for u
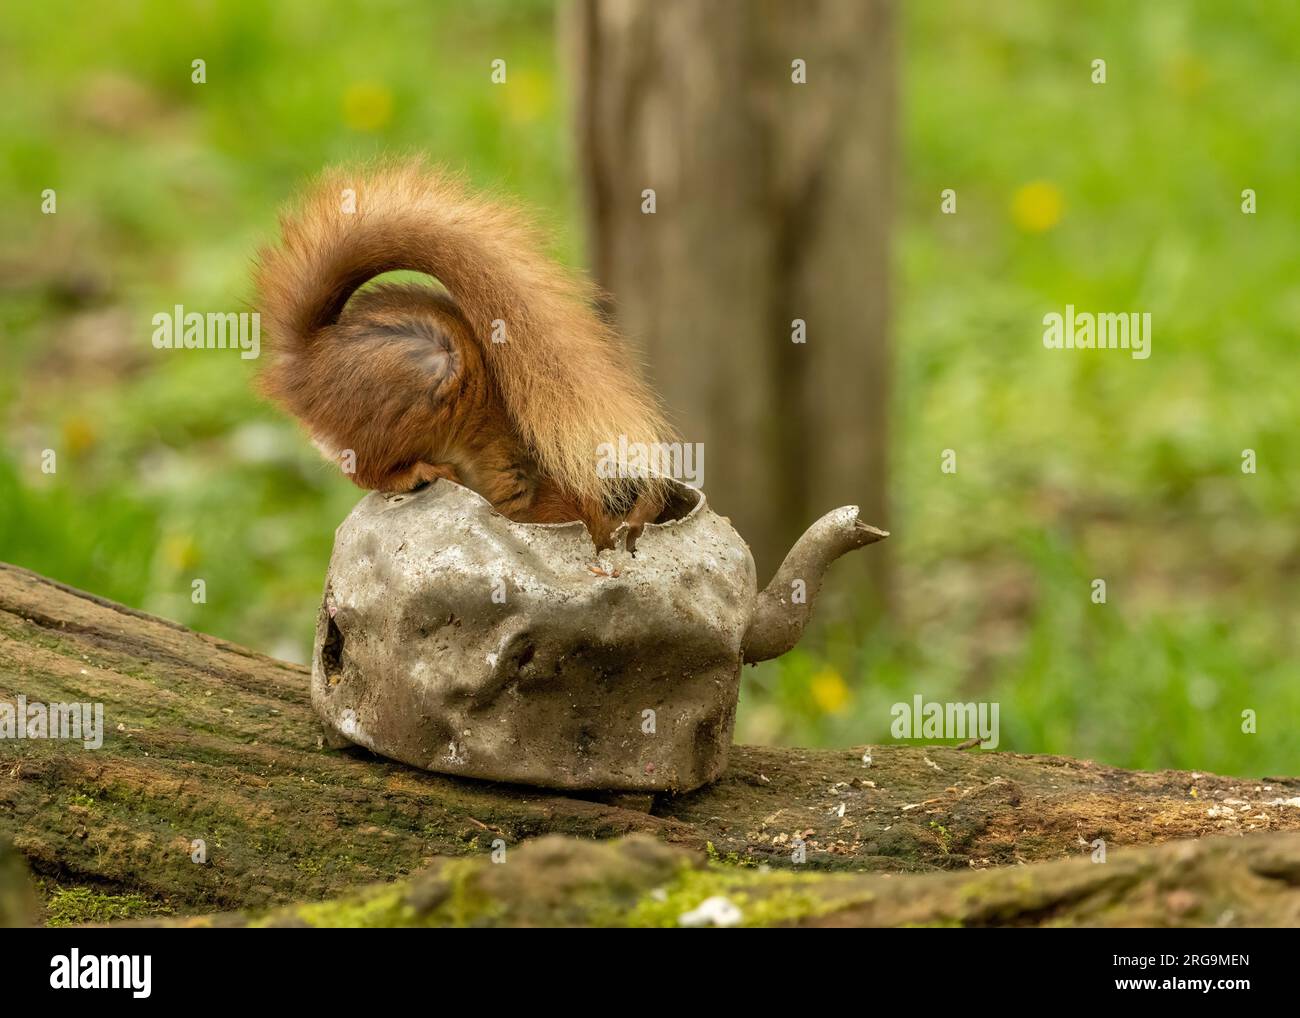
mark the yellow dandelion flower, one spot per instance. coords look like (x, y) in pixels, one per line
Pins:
(1188, 75)
(829, 691)
(367, 106)
(527, 96)
(78, 435)
(180, 551)
(1037, 206)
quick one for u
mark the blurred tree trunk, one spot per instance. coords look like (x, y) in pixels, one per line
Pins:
(772, 204)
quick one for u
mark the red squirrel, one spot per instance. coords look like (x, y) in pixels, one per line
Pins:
(508, 383)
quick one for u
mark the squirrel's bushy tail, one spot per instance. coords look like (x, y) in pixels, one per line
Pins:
(565, 381)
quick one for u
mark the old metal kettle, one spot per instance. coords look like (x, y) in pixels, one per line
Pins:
(456, 640)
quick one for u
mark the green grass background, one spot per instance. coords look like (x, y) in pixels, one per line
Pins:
(1071, 465)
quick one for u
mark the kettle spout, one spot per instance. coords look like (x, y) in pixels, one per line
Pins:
(778, 618)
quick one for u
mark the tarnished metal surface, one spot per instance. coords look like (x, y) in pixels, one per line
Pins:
(455, 640)
(786, 603)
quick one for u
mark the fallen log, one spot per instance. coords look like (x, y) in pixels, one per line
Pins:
(212, 790)
(637, 881)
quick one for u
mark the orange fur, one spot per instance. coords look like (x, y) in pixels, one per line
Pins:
(408, 377)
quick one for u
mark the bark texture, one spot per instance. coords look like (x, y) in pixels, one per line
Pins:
(636, 881)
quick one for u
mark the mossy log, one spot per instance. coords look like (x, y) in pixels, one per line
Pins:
(638, 881)
(209, 742)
